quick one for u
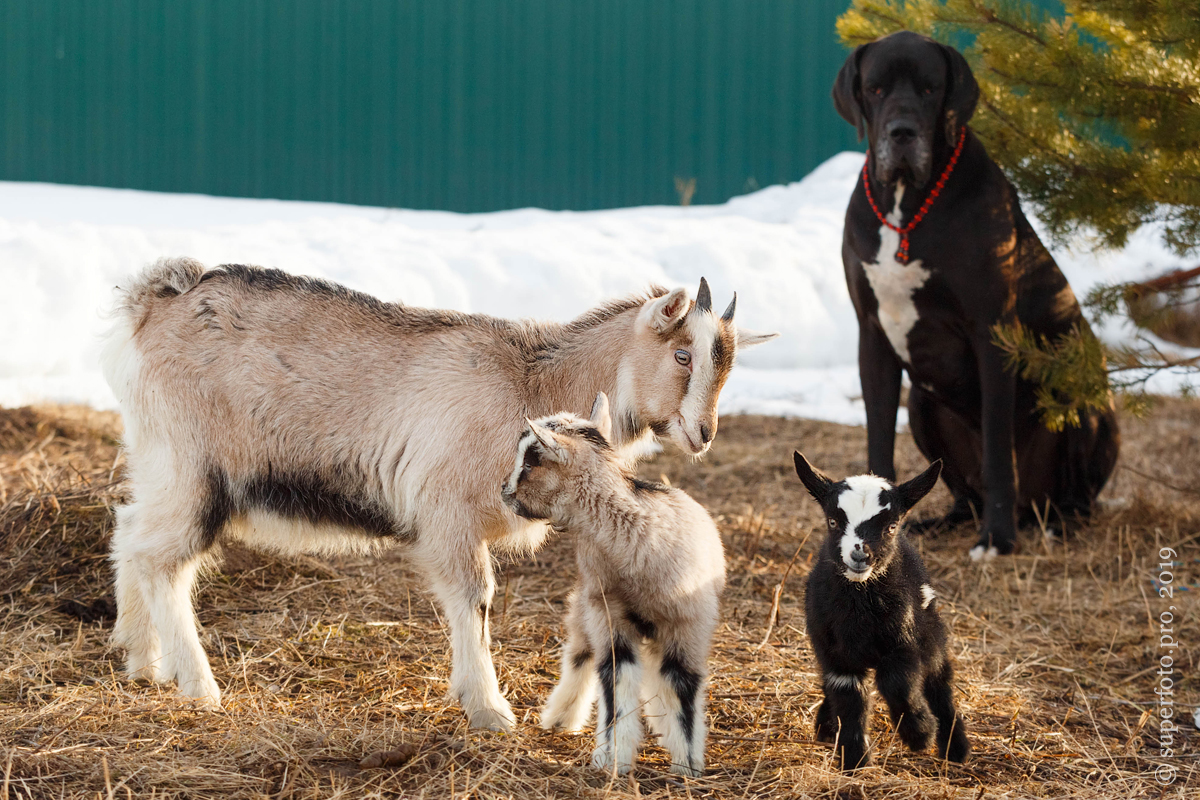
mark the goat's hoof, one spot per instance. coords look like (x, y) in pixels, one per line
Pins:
(851, 763)
(492, 719)
(557, 716)
(561, 725)
(203, 692)
(602, 759)
(852, 758)
(147, 673)
(687, 771)
(958, 749)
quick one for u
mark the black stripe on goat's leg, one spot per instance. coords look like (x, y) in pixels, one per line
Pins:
(608, 665)
(846, 696)
(644, 627)
(685, 682)
(581, 658)
(952, 740)
(899, 685)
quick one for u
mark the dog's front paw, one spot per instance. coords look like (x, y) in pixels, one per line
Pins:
(993, 543)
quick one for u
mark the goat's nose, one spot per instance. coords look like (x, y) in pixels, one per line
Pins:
(859, 553)
(901, 131)
(706, 433)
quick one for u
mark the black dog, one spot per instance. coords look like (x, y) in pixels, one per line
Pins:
(954, 256)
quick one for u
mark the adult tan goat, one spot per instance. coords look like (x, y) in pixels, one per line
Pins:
(298, 416)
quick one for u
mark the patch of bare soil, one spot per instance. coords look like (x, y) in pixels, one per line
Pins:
(334, 671)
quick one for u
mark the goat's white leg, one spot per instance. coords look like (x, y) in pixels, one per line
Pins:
(464, 585)
(653, 703)
(675, 692)
(134, 629)
(618, 716)
(683, 686)
(570, 704)
(164, 558)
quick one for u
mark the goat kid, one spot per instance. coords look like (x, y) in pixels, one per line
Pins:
(645, 605)
(298, 416)
(870, 606)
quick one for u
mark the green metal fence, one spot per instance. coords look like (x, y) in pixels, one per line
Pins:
(465, 105)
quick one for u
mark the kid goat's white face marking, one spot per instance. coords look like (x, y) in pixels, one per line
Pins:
(860, 502)
(510, 486)
(927, 595)
(704, 330)
(894, 284)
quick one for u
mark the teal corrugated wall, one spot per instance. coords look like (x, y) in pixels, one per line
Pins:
(466, 105)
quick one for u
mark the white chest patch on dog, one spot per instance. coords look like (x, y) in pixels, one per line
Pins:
(894, 283)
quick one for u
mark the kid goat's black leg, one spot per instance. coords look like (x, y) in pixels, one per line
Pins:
(900, 684)
(952, 739)
(846, 701)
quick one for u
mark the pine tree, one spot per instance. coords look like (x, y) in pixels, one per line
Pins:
(1095, 116)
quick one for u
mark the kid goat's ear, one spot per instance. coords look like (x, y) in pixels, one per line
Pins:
(549, 446)
(817, 482)
(601, 417)
(912, 491)
(661, 313)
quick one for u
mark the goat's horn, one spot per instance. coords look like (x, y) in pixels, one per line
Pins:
(728, 315)
(704, 297)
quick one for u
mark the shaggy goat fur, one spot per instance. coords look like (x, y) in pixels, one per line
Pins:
(296, 415)
(870, 606)
(643, 611)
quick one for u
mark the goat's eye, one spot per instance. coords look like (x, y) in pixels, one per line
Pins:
(683, 357)
(893, 527)
(832, 523)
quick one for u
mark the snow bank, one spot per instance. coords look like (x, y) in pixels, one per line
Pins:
(63, 248)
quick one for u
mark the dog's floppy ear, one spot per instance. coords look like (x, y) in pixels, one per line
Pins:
(846, 92)
(962, 92)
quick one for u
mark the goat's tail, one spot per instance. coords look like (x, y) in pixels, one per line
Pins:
(166, 277)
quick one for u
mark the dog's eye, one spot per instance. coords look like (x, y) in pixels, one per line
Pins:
(877, 91)
(927, 90)
(683, 357)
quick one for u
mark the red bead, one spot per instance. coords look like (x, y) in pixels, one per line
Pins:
(902, 252)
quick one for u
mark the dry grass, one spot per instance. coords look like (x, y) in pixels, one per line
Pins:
(324, 663)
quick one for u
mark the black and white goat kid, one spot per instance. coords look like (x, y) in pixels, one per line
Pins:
(645, 605)
(870, 607)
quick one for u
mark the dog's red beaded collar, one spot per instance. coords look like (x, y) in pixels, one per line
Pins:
(902, 253)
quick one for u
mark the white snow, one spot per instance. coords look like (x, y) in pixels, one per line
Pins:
(63, 248)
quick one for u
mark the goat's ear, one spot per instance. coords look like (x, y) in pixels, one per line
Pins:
(817, 482)
(847, 95)
(601, 417)
(661, 313)
(912, 491)
(549, 446)
(747, 338)
(962, 93)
